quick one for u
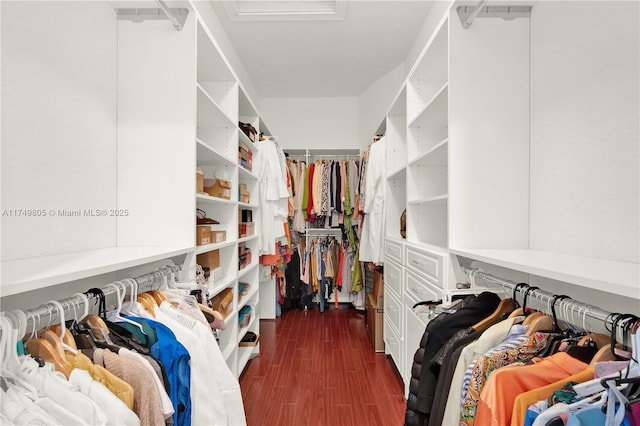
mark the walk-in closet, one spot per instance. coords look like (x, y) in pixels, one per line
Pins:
(349, 212)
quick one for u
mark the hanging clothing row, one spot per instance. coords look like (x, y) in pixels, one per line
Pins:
(486, 361)
(371, 197)
(324, 193)
(329, 268)
(151, 360)
(324, 203)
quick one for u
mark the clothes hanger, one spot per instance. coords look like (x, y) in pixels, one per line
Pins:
(46, 350)
(131, 308)
(62, 330)
(97, 324)
(505, 307)
(632, 370)
(518, 311)
(114, 316)
(11, 365)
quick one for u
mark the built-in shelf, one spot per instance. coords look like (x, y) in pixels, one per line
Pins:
(209, 247)
(210, 112)
(246, 173)
(244, 271)
(214, 200)
(248, 206)
(621, 278)
(245, 353)
(441, 92)
(396, 172)
(252, 321)
(245, 139)
(208, 156)
(253, 290)
(440, 199)
(19, 276)
(217, 286)
(436, 156)
(247, 238)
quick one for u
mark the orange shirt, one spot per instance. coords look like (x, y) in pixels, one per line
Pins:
(505, 384)
(526, 399)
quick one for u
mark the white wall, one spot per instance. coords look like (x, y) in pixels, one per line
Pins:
(58, 96)
(318, 123)
(374, 103)
(584, 129)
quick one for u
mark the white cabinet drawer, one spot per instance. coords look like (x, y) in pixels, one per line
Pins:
(393, 312)
(393, 344)
(393, 250)
(421, 288)
(415, 327)
(425, 262)
(393, 278)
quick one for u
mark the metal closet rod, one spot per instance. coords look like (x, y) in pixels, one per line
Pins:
(545, 298)
(146, 282)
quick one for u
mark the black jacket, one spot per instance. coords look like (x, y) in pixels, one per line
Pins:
(424, 376)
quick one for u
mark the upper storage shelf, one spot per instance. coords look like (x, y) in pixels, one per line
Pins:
(430, 74)
(211, 64)
(622, 278)
(23, 275)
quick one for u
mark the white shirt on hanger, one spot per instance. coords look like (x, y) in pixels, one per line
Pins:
(207, 405)
(227, 384)
(372, 238)
(114, 408)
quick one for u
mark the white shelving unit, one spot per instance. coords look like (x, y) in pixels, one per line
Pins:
(115, 186)
(222, 104)
(479, 182)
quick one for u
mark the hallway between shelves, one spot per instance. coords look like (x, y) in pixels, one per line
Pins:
(318, 369)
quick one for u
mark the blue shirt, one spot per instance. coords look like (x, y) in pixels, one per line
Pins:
(175, 359)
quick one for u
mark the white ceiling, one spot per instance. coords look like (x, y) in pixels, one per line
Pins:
(326, 58)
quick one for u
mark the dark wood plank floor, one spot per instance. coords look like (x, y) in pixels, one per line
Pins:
(320, 369)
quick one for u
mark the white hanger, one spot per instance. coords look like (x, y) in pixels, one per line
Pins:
(63, 326)
(85, 299)
(132, 307)
(114, 316)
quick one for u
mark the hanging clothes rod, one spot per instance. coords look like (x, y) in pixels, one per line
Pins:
(545, 298)
(74, 304)
(323, 231)
(334, 157)
(468, 14)
(177, 16)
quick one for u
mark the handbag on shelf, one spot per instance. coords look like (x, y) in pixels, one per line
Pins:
(403, 224)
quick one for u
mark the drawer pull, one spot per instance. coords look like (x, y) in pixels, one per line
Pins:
(392, 308)
(420, 291)
(417, 262)
(393, 277)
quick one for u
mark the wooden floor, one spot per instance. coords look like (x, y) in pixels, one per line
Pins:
(320, 369)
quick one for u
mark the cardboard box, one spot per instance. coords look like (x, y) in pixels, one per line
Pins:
(220, 188)
(199, 182)
(245, 197)
(210, 259)
(218, 236)
(246, 229)
(243, 187)
(203, 235)
(375, 323)
(223, 302)
(378, 288)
